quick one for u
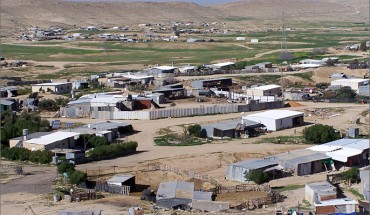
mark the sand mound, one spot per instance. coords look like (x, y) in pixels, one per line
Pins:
(294, 104)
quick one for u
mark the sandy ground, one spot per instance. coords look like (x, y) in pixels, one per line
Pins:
(210, 159)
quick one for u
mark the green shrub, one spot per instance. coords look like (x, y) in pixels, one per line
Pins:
(66, 167)
(47, 104)
(320, 134)
(113, 150)
(195, 130)
(77, 177)
(257, 176)
(43, 157)
(99, 141)
(16, 153)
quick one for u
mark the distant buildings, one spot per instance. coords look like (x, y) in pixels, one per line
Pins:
(57, 88)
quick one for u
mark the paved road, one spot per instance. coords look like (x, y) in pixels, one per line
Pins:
(38, 180)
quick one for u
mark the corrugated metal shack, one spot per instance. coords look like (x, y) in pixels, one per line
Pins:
(237, 171)
(301, 162)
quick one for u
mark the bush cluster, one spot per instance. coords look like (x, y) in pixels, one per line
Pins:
(319, 133)
(23, 154)
(74, 176)
(113, 150)
(195, 130)
(257, 176)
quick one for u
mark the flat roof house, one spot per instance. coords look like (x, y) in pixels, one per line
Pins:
(266, 90)
(60, 140)
(353, 83)
(56, 88)
(319, 191)
(275, 120)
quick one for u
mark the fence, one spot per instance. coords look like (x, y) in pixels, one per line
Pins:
(184, 112)
(114, 189)
(181, 172)
(83, 194)
(241, 188)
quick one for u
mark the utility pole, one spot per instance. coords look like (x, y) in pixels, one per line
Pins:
(283, 51)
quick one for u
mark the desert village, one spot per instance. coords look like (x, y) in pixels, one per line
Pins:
(225, 136)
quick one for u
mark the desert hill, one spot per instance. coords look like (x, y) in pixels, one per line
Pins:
(16, 14)
(58, 12)
(299, 10)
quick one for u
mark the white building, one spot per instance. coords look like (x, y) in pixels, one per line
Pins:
(57, 88)
(353, 83)
(275, 120)
(266, 90)
(225, 65)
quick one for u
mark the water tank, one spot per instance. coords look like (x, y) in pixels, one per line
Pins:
(25, 134)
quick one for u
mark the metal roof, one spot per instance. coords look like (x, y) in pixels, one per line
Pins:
(33, 135)
(213, 79)
(175, 189)
(266, 87)
(52, 138)
(80, 101)
(275, 114)
(299, 156)
(342, 149)
(99, 127)
(120, 178)
(254, 164)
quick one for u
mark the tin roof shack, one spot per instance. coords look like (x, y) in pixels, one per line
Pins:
(56, 88)
(296, 95)
(179, 195)
(319, 191)
(7, 92)
(346, 152)
(275, 120)
(266, 90)
(230, 128)
(122, 180)
(336, 206)
(353, 83)
(237, 171)
(60, 140)
(365, 183)
(172, 93)
(212, 83)
(163, 71)
(301, 162)
(8, 105)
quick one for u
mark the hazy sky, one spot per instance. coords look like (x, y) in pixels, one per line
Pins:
(203, 2)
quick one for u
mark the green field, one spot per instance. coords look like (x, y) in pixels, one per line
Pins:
(225, 47)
